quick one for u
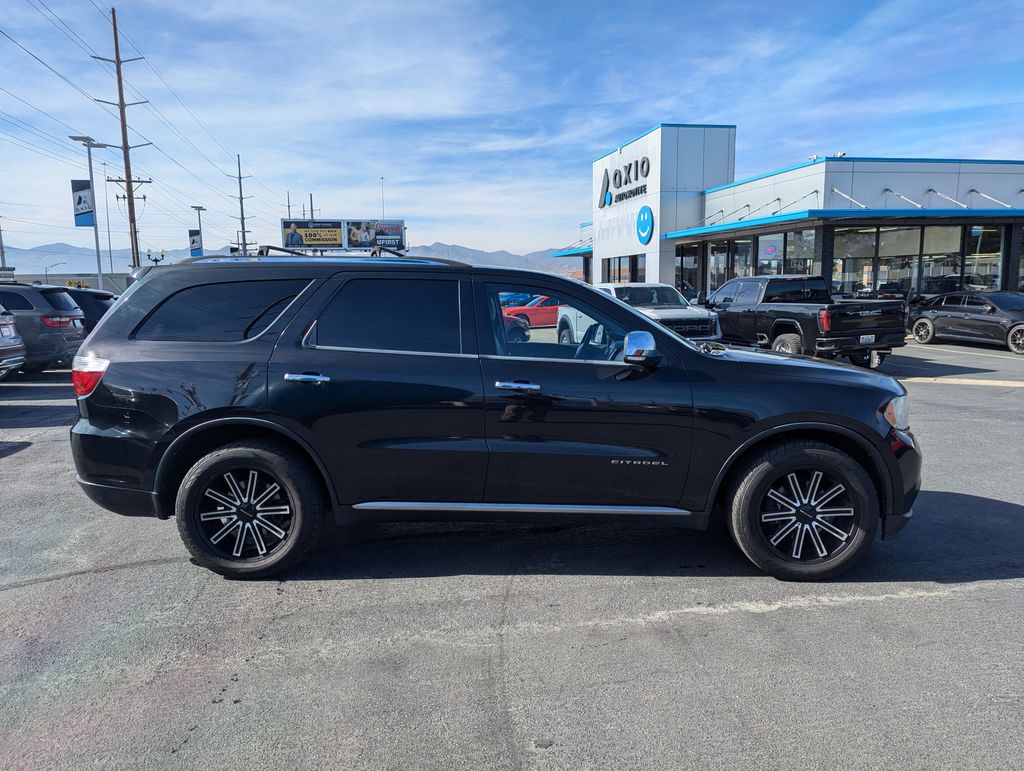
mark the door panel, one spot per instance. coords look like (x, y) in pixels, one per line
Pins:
(388, 424)
(979, 323)
(582, 430)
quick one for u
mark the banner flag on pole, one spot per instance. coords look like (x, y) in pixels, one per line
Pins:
(81, 196)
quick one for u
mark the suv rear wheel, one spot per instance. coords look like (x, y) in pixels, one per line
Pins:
(250, 509)
(804, 511)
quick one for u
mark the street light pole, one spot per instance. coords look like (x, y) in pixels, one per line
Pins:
(199, 214)
(90, 143)
(382, 197)
(106, 216)
(46, 271)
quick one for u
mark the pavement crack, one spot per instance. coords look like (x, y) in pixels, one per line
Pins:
(90, 571)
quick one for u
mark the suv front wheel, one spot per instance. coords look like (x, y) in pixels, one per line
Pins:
(804, 510)
(250, 509)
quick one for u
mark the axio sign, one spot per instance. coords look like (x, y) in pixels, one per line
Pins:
(630, 176)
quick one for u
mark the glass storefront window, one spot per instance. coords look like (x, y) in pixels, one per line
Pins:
(800, 254)
(983, 258)
(718, 264)
(615, 270)
(688, 267)
(640, 274)
(897, 262)
(852, 263)
(940, 265)
(742, 259)
(770, 254)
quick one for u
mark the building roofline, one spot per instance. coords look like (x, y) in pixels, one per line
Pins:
(833, 214)
(572, 252)
(664, 125)
(847, 159)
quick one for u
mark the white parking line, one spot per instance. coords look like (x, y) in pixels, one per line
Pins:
(960, 352)
(963, 381)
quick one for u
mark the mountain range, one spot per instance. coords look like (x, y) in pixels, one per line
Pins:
(78, 259)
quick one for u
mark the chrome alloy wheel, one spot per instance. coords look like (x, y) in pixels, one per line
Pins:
(806, 516)
(1016, 340)
(922, 331)
(245, 514)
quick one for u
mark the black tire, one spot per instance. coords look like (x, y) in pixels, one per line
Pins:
(923, 331)
(787, 343)
(565, 336)
(1015, 339)
(758, 520)
(516, 335)
(864, 359)
(523, 318)
(299, 490)
(7, 373)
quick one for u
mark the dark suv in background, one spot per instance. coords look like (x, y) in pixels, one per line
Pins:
(48, 320)
(248, 397)
(94, 303)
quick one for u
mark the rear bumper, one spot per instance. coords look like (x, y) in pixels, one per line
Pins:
(52, 348)
(852, 343)
(120, 500)
(11, 358)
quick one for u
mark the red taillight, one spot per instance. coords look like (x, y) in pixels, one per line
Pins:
(86, 373)
(57, 321)
(824, 320)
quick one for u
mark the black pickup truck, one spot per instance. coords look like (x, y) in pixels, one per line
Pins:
(797, 314)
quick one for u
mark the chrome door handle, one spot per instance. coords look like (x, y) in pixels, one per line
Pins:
(511, 385)
(306, 377)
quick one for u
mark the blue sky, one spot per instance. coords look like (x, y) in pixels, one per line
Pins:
(483, 117)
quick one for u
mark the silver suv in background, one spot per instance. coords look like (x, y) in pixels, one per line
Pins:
(668, 307)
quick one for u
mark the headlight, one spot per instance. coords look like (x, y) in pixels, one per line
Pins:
(897, 413)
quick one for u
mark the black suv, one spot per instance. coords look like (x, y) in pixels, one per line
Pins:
(249, 397)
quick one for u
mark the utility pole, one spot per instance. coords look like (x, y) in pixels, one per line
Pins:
(3, 255)
(289, 192)
(129, 183)
(90, 143)
(106, 216)
(241, 205)
(382, 197)
(311, 215)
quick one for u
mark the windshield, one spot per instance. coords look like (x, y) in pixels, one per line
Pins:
(650, 296)
(1008, 301)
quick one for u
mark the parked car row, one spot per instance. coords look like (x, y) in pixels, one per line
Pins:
(42, 326)
(993, 318)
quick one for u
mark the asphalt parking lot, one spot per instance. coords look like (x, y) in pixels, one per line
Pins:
(514, 645)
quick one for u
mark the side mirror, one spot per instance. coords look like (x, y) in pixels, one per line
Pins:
(639, 349)
(702, 298)
(990, 309)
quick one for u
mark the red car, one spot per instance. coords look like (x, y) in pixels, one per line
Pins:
(541, 311)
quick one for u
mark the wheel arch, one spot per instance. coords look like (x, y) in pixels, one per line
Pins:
(204, 437)
(843, 439)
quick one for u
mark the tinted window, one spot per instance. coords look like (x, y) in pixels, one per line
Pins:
(59, 299)
(91, 302)
(953, 301)
(725, 294)
(815, 291)
(747, 294)
(13, 301)
(219, 313)
(786, 291)
(397, 314)
(975, 303)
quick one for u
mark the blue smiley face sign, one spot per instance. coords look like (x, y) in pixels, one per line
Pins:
(645, 225)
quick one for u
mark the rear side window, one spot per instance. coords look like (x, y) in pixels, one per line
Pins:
(59, 299)
(397, 314)
(815, 291)
(785, 291)
(13, 301)
(952, 301)
(220, 313)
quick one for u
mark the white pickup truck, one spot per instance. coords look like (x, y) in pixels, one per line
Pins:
(661, 302)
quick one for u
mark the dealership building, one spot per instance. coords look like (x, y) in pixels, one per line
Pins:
(667, 208)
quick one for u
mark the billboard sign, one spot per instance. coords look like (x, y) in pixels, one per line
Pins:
(343, 234)
(81, 196)
(312, 234)
(366, 234)
(195, 243)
